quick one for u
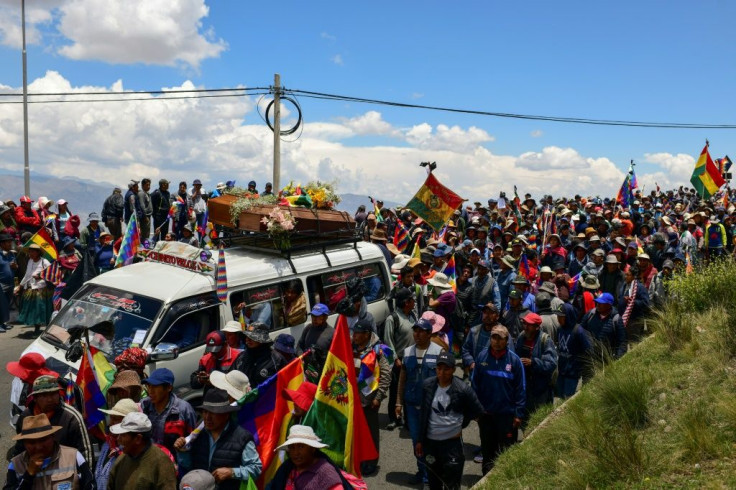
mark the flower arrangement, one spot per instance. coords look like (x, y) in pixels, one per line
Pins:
(315, 195)
(247, 201)
(279, 224)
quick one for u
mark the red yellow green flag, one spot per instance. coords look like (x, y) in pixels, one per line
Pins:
(43, 240)
(434, 202)
(336, 414)
(706, 177)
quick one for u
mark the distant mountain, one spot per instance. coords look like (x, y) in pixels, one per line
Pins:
(350, 203)
(85, 196)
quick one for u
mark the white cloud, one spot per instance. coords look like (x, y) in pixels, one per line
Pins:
(370, 123)
(138, 31)
(223, 138)
(537, 133)
(328, 36)
(417, 95)
(447, 138)
(337, 59)
(37, 13)
(677, 170)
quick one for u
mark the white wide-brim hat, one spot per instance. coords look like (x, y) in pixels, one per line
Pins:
(302, 434)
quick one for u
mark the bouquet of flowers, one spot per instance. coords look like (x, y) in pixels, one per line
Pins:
(279, 224)
(315, 195)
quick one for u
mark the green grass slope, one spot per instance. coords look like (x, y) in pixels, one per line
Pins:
(664, 416)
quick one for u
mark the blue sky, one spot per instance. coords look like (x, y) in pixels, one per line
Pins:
(644, 61)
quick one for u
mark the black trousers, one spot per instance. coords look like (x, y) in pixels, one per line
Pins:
(392, 392)
(371, 417)
(445, 463)
(497, 432)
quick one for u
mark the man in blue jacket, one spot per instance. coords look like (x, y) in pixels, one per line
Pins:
(537, 352)
(419, 363)
(499, 382)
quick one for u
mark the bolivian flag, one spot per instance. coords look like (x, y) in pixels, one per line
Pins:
(336, 414)
(43, 240)
(706, 178)
(434, 203)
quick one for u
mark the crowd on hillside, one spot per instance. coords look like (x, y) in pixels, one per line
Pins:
(521, 294)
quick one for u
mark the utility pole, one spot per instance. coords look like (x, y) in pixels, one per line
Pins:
(276, 133)
(26, 167)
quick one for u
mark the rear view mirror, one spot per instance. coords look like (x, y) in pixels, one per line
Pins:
(164, 352)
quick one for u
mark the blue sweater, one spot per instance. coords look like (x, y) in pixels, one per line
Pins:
(500, 383)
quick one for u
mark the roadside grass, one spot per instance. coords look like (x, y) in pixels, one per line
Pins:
(663, 416)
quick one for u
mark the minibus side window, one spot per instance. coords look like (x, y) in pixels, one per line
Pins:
(193, 319)
(294, 302)
(329, 288)
(261, 304)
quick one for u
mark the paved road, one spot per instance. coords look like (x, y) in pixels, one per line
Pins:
(396, 465)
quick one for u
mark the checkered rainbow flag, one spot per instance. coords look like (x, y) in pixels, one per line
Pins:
(221, 275)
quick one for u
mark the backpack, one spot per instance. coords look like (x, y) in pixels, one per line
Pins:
(459, 317)
(381, 327)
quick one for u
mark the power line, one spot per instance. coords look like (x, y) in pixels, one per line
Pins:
(240, 92)
(575, 120)
(127, 99)
(138, 92)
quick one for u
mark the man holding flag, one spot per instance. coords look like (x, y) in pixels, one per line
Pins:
(373, 366)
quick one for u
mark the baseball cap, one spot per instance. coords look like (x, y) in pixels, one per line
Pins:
(500, 330)
(532, 318)
(320, 309)
(197, 480)
(232, 326)
(446, 358)
(133, 422)
(214, 342)
(160, 376)
(605, 298)
(423, 324)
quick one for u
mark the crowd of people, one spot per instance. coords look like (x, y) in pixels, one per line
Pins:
(518, 296)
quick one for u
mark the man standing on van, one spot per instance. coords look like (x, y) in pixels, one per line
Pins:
(171, 417)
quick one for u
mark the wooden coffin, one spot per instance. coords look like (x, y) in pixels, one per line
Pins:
(313, 221)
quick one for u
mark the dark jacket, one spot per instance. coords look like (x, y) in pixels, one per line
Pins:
(113, 207)
(228, 453)
(573, 345)
(161, 202)
(500, 383)
(609, 332)
(462, 400)
(611, 283)
(258, 364)
(544, 362)
(641, 301)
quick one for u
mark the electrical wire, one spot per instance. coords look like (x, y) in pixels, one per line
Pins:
(138, 92)
(228, 92)
(127, 99)
(574, 120)
(293, 129)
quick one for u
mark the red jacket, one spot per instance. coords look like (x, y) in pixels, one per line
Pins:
(27, 219)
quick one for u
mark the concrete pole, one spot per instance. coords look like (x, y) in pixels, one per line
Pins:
(277, 133)
(26, 167)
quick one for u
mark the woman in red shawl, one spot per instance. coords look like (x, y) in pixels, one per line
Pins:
(553, 250)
